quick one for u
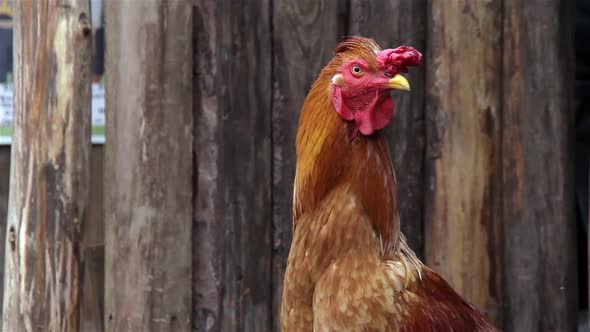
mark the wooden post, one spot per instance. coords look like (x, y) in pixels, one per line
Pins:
(4, 189)
(463, 82)
(148, 166)
(233, 220)
(299, 54)
(208, 234)
(50, 166)
(538, 211)
(394, 23)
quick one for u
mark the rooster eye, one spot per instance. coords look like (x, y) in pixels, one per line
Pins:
(357, 70)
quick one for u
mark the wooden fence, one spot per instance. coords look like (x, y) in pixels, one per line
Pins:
(196, 179)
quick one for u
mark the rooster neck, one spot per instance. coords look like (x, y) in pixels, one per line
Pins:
(328, 155)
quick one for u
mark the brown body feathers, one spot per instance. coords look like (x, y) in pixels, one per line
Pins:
(349, 268)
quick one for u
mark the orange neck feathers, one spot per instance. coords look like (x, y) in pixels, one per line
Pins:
(328, 155)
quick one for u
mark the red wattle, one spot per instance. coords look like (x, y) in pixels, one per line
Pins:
(370, 112)
(376, 116)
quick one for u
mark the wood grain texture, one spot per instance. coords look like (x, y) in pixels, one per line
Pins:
(233, 219)
(4, 186)
(462, 202)
(148, 168)
(305, 34)
(92, 311)
(247, 185)
(50, 166)
(210, 99)
(538, 211)
(403, 24)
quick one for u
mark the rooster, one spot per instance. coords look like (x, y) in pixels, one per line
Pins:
(349, 267)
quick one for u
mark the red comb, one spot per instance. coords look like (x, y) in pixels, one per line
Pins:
(398, 59)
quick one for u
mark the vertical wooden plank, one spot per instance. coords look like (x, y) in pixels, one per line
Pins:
(394, 23)
(304, 36)
(210, 99)
(94, 228)
(538, 212)
(463, 82)
(50, 166)
(92, 311)
(92, 306)
(148, 166)
(247, 157)
(4, 185)
(234, 88)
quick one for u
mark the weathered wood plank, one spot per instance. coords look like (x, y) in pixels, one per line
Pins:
(463, 87)
(92, 311)
(94, 228)
(148, 166)
(4, 186)
(233, 221)
(208, 219)
(539, 241)
(50, 166)
(247, 178)
(304, 36)
(394, 23)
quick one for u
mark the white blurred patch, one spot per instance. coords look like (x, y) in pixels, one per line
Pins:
(338, 79)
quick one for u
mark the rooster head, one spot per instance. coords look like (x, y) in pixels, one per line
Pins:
(364, 75)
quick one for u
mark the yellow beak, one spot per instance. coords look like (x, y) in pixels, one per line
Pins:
(398, 82)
